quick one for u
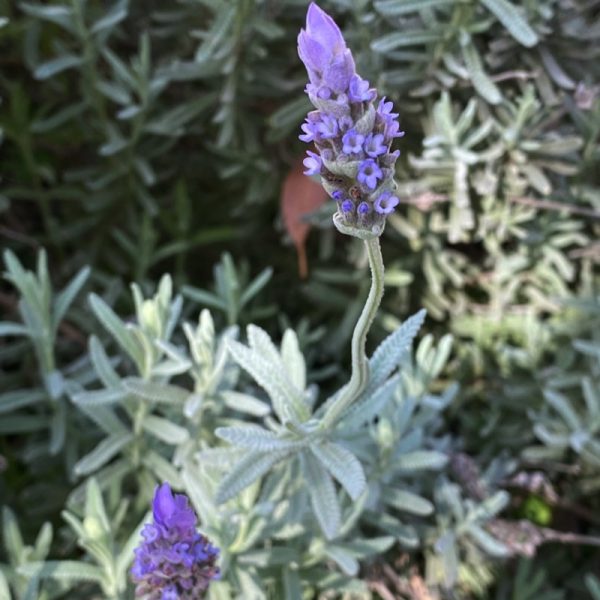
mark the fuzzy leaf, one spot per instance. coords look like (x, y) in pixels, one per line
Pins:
(245, 403)
(399, 39)
(487, 542)
(64, 300)
(99, 397)
(63, 569)
(116, 328)
(267, 376)
(254, 438)
(408, 502)
(102, 453)
(56, 66)
(345, 561)
(165, 430)
(156, 392)
(11, 535)
(16, 399)
(102, 364)
(490, 507)
(389, 353)
(343, 465)
(293, 359)
(367, 407)
(322, 496)
(513, 20)
(246, 472)
(393, 8)
(421, 459)
(561, 404)
(481, 81)
(12, 329)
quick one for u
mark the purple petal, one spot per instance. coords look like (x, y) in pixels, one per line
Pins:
(386, 203)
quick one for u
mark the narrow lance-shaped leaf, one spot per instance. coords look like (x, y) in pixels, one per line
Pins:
(322, 496)
(246, 472)
(408, 501)
(512, 19)
(343, 465)
(64, 569)
(102, 453)
(254, 438)
(156, 392)
(267, 377)
(487, 542)
(389, 353)
(64, 300)
(116, 327)
(481, 81)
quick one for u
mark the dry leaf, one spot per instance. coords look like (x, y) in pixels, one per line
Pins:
(300, 195)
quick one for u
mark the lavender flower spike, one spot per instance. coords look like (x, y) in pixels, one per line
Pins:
(351, 128)
(173, 561)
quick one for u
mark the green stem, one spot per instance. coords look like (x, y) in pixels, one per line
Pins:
(360, 363)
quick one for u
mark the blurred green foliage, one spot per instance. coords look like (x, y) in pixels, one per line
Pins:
(138, 138)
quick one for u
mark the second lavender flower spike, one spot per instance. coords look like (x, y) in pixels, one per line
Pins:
(352, 132)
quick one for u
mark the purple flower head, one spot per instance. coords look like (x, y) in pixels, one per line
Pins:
(359, 90)
(351, 128)
(385, 203)
(327, 127)
(312, 163)
(323, 51)
(368, 173)
(353, 142)
(374, 145)
(173, 560)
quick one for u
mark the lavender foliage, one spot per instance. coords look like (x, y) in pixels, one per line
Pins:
(352, 137)
(173, 561)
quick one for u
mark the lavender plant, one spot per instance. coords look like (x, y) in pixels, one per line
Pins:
(307, 491)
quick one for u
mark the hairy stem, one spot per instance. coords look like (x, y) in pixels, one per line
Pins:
(360, 364)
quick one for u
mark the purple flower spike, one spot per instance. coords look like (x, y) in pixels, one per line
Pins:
(353, 142)
(312, 163)
(386, 203)
(352, 130)
(359, 90)
(173, 561)
(374, 145)
(369, 172)
(323, 51)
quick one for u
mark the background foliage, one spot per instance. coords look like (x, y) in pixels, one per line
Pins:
(140, 138)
